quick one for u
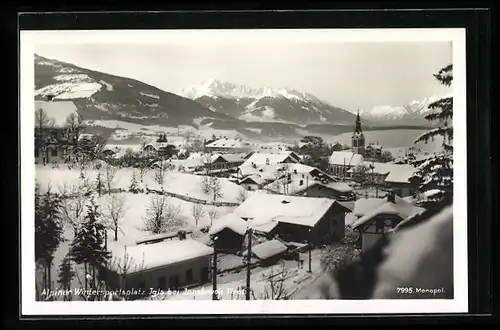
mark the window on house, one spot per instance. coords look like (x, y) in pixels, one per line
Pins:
(189, 276)
(53, 152)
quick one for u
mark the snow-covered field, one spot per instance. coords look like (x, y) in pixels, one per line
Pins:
(70, 90)
(185, 184)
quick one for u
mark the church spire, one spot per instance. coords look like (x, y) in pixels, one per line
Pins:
(358, 124)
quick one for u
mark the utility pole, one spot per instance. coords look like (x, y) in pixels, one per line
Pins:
(249, 255)
(214, 271)
(310, 247)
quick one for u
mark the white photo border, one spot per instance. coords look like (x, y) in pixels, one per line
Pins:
(28, 40)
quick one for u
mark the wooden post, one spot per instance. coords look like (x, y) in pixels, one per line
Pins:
(310, 247)
(249, 255)
(214, 271)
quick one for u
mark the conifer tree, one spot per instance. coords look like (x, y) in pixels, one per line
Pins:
(435, 173)
(48, 231)
(134, 185)
(66, 273)
(88, 246)
(99, 184)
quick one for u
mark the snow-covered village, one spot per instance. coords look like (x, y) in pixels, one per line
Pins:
(229, 192)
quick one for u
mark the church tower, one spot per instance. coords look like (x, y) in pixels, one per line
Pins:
(358, 138)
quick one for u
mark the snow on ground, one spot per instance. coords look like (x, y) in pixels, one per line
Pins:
(69, 90)
(231, 286)
(109, 87)
(154, 96)
(74, 78)
(268, 112)
(188, 185)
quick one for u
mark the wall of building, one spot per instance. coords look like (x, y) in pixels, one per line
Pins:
(249, 186)
(151, 278)
(402, 189)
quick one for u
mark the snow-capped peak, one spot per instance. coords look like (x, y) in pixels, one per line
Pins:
(216, 88)
(414, 107)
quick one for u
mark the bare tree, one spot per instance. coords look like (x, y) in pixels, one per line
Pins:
(162, 215)
(114, 210)
(109, 176)
(74, 199)
(213, 214)
(122, 266)
(197, 212)
(160, 173)
(243, 195)
(215, 187)
(274, 288)
(43, 124)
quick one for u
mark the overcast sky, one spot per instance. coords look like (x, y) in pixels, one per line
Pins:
(349, 75)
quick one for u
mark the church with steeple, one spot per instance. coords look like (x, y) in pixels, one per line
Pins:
(358, 138)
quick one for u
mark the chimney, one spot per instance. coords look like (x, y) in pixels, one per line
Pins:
(391, 197)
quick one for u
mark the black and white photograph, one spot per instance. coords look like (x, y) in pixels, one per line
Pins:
(291, 171)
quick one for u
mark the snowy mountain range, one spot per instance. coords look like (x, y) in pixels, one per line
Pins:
(266, 104)
(410, 114)
(100, 96)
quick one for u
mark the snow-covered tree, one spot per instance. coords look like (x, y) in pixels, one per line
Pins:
(88, 246)
(109, 176)
(243, 195)
(134, 185)
(162, 215)
(48, 231)
(160, 172)
(197, 212)
(435, 173)
(99, 184)
(74, 199)
(215, 188)
(114, 210)
(213, 214)
(66, 274)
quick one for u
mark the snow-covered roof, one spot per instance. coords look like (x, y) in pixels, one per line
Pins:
(254, 178)
(263, 227)
(263, 208)
(57, 111)
(229, 221)
(270, 171)
(339, 186)
(228, 143)
(232, 158)
(268, 249)
(378, 168)
(263, 158)
(169, 252)
(364, 205)
(156, 145)
(347, 158)
(400, 174)
(400, 207)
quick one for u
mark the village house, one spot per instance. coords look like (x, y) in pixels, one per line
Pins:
(51, 123)
(338, 190)
(380, 220)
(263, 158)
(373, 172)
(268, 252)
(226, 145)
(226, 161)
(170, 264)
(252, 182)
(230, 231)
(340, 162)
(298, 219)
(399, 180)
